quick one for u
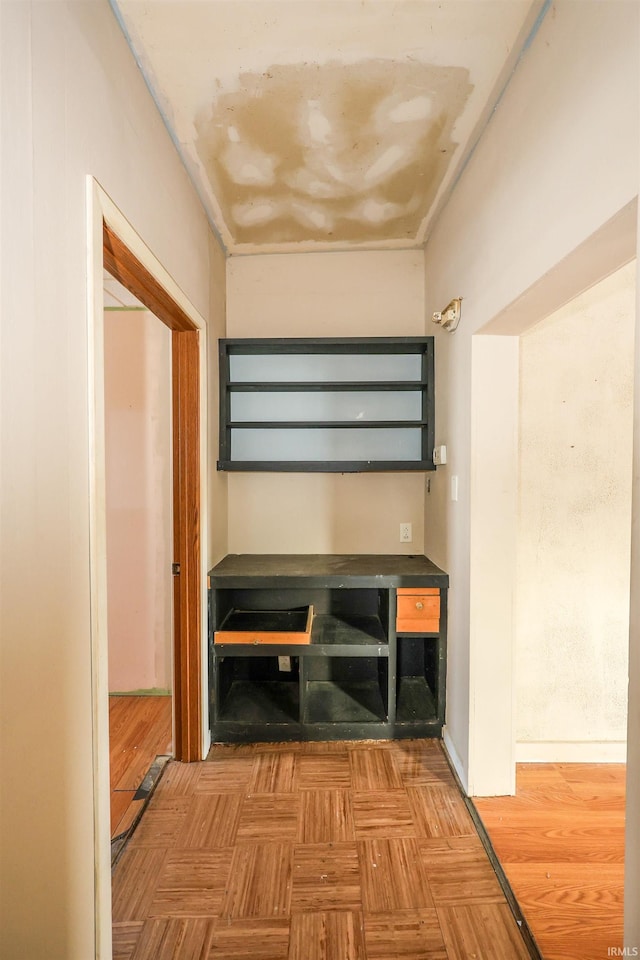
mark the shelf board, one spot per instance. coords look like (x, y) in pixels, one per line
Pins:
(327, 345)
(306, 386)
(323, 466)
(327, 571)
(325, 424)
(300, 650)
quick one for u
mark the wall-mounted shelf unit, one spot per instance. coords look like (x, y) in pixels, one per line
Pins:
(327, 405)
(373, 665)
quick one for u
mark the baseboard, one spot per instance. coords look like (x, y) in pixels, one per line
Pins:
(454, 758)
(143, 692)
(571, 751)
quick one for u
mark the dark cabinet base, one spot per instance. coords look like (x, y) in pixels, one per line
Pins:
(356, 678)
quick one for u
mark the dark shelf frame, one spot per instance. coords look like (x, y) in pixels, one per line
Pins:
(423, 346)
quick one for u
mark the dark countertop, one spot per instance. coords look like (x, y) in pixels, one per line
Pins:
(326, 570)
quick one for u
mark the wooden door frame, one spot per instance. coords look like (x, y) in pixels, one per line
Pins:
(143, 273)
(187, 637)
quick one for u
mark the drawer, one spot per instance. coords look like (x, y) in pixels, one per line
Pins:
(266, 626)
(418, 610)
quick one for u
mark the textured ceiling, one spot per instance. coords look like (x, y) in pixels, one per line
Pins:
(322, 124)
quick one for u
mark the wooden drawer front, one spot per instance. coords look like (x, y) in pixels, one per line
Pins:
(418, 608)
(418, 611)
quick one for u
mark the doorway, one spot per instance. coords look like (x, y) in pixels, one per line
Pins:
(579, 624)
(113, 244)
(571, 624)
(139, 527)
(494, 469)
(122, 264)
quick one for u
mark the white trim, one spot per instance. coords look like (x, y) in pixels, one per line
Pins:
(99, 207)
(581, 269)
(493, 498)
(458, 766)
(98, 575)
(571, 751)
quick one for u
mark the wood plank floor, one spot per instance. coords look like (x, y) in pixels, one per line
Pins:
(560, 841)
(319, 851)
(139, 731)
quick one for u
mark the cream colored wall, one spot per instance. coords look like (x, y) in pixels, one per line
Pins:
(371, 294)
(216, 480)
(632, 818)
(139, 488)
(572, 606)
(73, 104)
(525, 211)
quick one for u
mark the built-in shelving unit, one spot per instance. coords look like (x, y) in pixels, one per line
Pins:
(357, 676)
(331, 405)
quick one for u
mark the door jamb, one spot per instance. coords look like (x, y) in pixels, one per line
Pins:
(101, 210)
(127, 268)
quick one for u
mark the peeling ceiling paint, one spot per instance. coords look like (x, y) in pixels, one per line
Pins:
(324, 124)
(346, 152)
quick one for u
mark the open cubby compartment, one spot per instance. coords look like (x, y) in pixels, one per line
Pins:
(342, 618)
(417, 696)
(255, 690)
(350, 619)
(350, 690)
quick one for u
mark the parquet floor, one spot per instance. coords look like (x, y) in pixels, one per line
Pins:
(139, 730)
(560, 841)
(319, 851)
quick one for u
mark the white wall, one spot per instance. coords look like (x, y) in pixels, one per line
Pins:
(73, 104)
(543, 182)
(572, 608)
(216, 481)
(632, 818)
(371, 294)
(139, 490)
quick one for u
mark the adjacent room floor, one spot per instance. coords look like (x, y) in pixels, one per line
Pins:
(139, 731)
(317, 851)
(560, 841)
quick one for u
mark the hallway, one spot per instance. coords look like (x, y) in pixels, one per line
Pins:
(316, 851)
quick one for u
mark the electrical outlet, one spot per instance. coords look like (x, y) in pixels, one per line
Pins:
(284, 664)
(405, 533)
